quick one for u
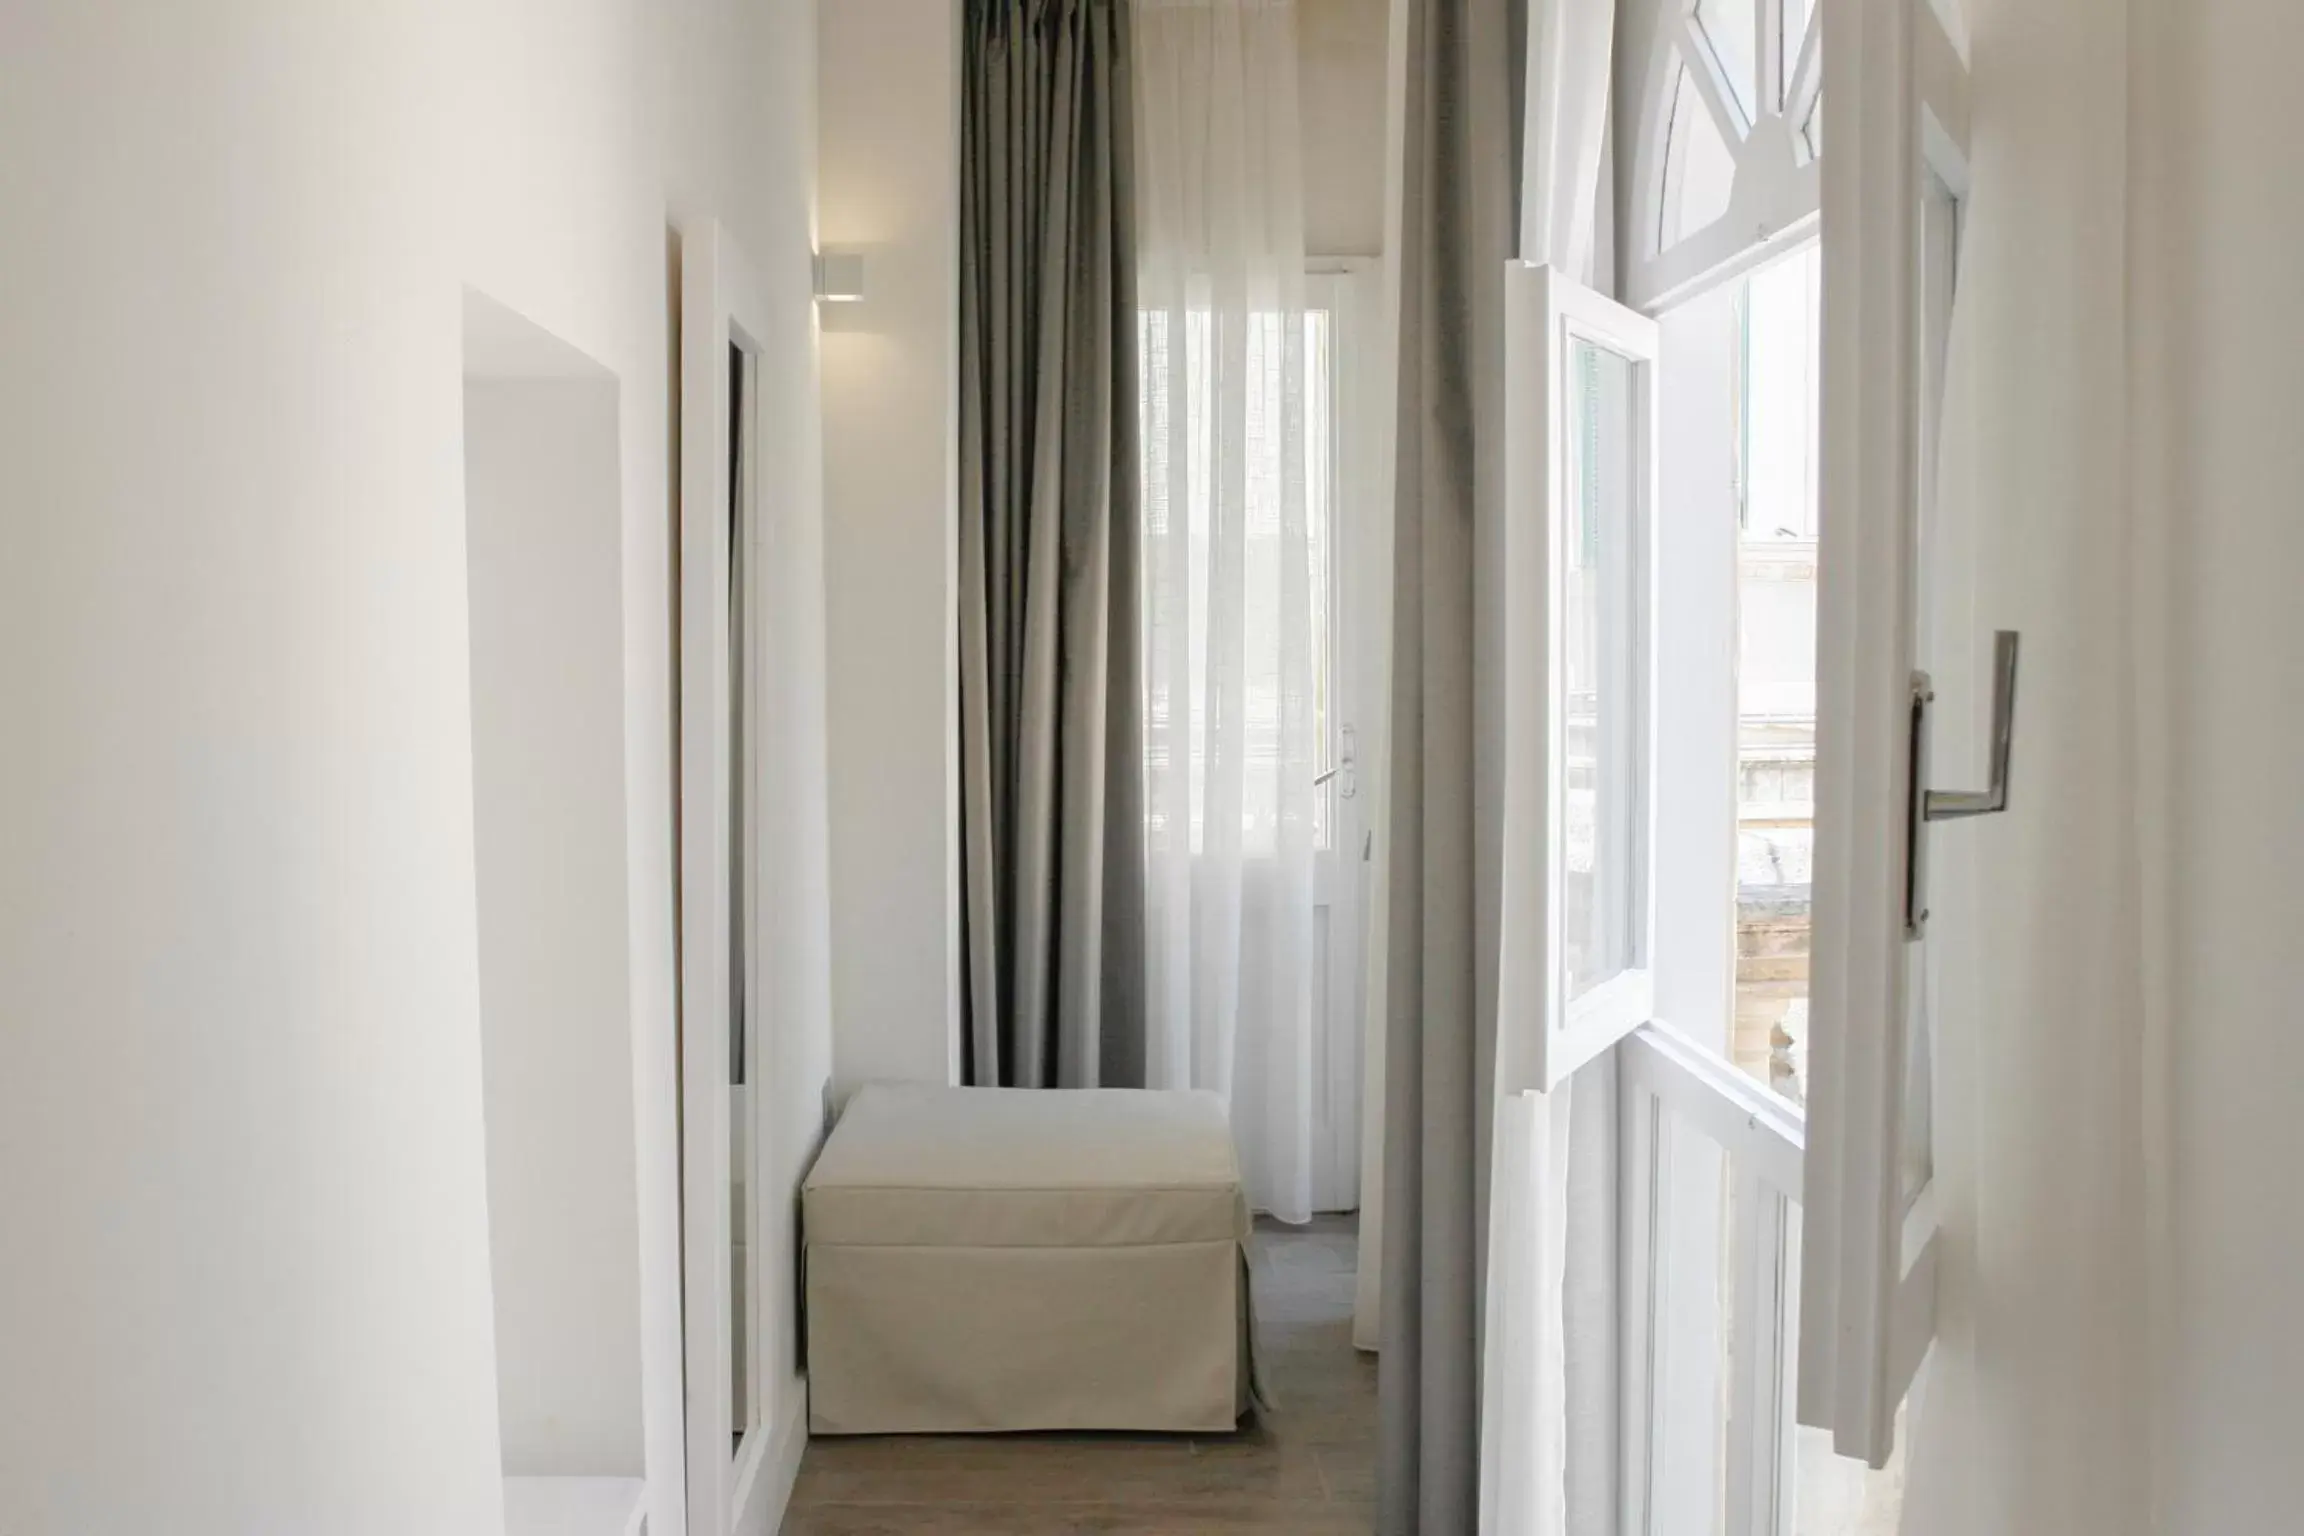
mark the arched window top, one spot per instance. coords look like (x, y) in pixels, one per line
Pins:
(1732, 129)
(1729, 145)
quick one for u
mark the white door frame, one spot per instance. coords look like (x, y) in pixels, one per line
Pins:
(1348, 288)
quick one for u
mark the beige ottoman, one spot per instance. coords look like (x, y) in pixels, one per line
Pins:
(984, 1259)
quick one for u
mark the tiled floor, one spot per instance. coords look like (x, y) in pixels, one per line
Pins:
(1309, 1470)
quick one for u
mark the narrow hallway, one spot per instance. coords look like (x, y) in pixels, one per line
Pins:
(1308, 1470)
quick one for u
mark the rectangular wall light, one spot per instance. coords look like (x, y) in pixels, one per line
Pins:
(839, 277)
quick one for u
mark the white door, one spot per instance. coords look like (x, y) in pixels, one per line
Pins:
(1347, 488)
(723, 1188)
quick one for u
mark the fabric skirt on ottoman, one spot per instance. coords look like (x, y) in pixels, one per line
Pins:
(985, 1259)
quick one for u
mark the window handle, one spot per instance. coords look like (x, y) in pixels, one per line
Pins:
(1925, 805)
(1347, 764)
(1952, 805)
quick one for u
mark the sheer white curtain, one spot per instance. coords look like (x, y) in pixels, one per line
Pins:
(1232, 702)
(1527, 1343)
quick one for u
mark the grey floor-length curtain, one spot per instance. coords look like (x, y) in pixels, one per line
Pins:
(1460, 176)
(1052, 850)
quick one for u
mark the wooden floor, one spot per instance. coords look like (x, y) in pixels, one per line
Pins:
(1308, 1470)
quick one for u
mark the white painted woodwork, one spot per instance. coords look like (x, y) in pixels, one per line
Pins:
(1710, 1168)
(1697, 668)
(1774, 200)
(723, 313)
(1894, 105)
(1348, 288)
(1542, 1035)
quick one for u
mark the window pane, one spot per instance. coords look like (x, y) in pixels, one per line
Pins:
(1699, 168)
(1601, 623)
(1783, 396)
(1732, 27)
(1777, 405)
(1790, 40)
(1282, 371)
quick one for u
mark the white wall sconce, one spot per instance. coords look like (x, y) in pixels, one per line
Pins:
(839, 277)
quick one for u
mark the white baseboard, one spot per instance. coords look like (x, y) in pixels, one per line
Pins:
(782, 1468)
(574, 1506)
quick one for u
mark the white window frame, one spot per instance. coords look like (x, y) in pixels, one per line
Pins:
(1348, 289)
(1543, 1035)
(1894, 99)
(1669, 1086)
(1775, 200)
(1337, 287)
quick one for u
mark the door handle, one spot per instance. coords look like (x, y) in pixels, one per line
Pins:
(1925, 805)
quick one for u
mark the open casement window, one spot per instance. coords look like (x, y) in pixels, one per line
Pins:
(1778, 1258)
(1730, 139)
(1579, 801)
(1895, 93)
(1710, 1162)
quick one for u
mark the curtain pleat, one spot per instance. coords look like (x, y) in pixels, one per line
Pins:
(1050, 712)
(1546, 1365)
(1458, 231)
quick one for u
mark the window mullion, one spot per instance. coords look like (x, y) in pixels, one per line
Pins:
(1710, 78)
(1768, 23)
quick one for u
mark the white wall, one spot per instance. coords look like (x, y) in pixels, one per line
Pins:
(543, 532)
(241, 1150)
(889, 158)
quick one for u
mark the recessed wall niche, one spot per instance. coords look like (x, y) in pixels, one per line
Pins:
(543, 532)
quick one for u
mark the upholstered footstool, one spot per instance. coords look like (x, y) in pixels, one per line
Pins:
(984, 1259)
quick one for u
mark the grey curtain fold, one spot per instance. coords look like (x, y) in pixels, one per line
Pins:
(1459, 190)
(1052, 851)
